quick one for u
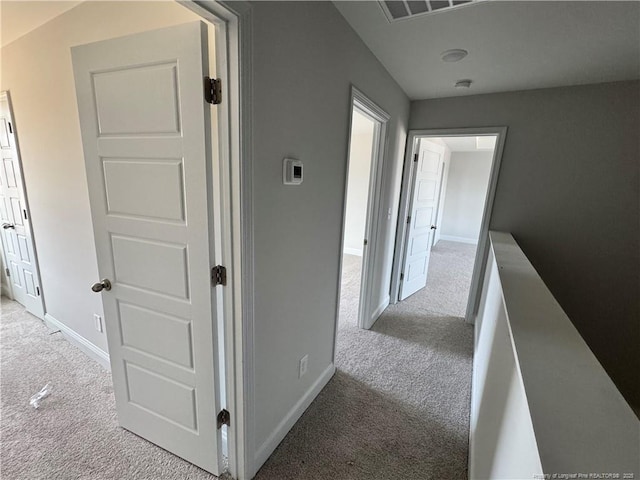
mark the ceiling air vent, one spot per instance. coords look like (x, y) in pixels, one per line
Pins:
(403, 9)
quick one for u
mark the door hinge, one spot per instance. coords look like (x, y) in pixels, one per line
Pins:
(224, 418)
(10, 127)
(38, 290)
(24, 212)
(213, 90)
(415, 157)
(401, 276)
(7, 272)
(408, 219)
(219, 275)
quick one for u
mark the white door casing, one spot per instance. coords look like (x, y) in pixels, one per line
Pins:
(144, 127)
(444, 175)
(17, 237)
(367, 312)
(365, 307)
(423, 211)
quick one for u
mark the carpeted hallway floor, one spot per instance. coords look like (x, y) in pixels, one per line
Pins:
(397, 407)
(74, 434)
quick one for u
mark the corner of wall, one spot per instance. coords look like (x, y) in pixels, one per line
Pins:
(88, 348)
(266, 449)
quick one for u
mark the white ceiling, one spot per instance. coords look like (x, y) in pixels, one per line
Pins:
(463, 144)
(513, 45)
(18, 18)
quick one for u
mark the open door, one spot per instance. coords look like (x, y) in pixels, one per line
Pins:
(18, 246)
(427, 174)
(145, 125)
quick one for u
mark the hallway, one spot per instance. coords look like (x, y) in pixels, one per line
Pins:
(398, 406)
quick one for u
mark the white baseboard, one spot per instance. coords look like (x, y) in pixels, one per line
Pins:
(452, 238)
(79, 341)
(353, 251)
(267, 448)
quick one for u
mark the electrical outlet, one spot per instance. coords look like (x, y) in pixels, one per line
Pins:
(304, 363)
(97, 319)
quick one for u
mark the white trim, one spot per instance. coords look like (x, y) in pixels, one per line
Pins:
(442, 196)
(237, 209)
(453, 238)
(92, 351)
(378, 311)
(243, 467)
(381, 118)
(353, 251)
(238, 250)
(270, 444)
(483, 239)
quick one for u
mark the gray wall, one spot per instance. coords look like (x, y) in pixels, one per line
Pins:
(305, 58)
(465, 193)
(569, 192)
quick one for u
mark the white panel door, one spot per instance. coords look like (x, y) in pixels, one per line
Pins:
(17, 239)
(423, 211)
(144, 128)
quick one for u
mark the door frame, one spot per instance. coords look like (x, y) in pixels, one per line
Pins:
(480, 261)
(360, 102)
(444, 178)
(232, 21)
(22, 188)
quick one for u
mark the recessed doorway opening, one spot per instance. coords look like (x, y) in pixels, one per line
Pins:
(362, 196)
(357, 201)
(447, 195)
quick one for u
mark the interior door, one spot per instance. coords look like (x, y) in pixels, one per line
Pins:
(17, 239)
(144, 127)
(423, 211)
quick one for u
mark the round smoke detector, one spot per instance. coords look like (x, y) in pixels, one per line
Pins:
(454, 55)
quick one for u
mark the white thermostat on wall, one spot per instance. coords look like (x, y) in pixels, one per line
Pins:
(291, 171)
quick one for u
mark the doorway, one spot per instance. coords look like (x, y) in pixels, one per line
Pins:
(20, 272)
(362, 193)
(165, 162)
(447, 195)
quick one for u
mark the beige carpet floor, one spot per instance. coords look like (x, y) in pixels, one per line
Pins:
(74, 434)
(397, 408)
